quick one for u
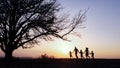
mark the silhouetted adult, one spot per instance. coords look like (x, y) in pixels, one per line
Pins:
(92, 54)
(81, 54)
(70, 54)
(87, 53)
(76, 52)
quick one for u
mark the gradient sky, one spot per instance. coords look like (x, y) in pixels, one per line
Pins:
(102, 34)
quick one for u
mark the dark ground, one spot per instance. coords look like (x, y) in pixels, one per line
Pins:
(60, 63)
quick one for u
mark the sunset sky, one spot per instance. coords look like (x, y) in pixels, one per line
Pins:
(102, 32)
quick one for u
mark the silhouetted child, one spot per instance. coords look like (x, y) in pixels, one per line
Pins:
(87, 53)
(81, 54)
(76, 52)
(92, 54)
(70, 54)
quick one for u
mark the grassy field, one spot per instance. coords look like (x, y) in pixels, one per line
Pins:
(60, 63)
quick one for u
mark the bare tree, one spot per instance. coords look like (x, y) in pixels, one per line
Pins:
(23, 22)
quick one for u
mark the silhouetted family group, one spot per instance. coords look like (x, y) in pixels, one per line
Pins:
(86, 52)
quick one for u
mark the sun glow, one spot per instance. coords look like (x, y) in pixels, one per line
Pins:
(63, 47)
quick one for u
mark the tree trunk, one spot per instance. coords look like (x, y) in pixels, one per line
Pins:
(8, 55)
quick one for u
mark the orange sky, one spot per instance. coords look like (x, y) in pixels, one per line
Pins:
(60, 49)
